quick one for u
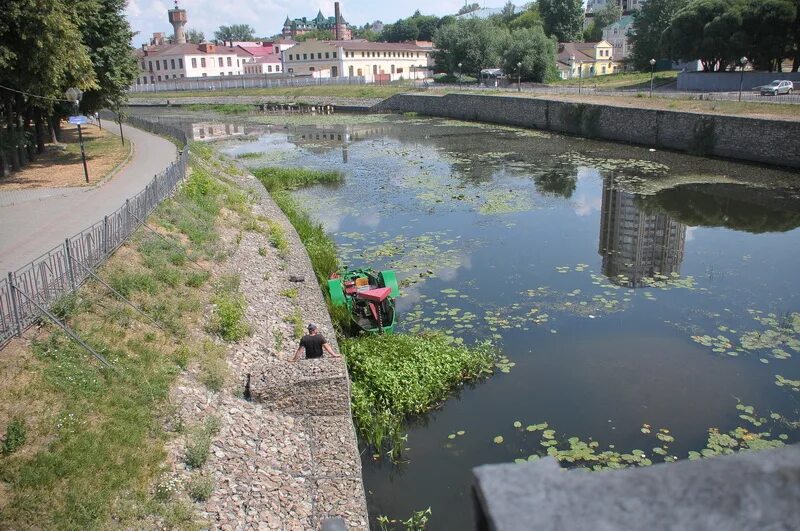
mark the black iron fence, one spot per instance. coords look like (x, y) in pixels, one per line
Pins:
(25, 293)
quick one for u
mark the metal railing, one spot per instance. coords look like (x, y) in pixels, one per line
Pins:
(62, 270)
(241, 82)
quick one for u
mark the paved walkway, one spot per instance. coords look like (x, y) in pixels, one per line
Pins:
(40, 220)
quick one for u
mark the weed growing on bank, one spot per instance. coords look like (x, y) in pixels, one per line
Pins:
(92, 443)
(397, 376)
(275, 179)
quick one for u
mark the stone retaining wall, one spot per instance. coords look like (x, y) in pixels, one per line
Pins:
(774, 142)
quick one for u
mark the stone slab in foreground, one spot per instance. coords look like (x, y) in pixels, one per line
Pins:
(748, 490)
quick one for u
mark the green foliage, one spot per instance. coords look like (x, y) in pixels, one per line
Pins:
(194, 36)
(275, 179)
(277, 238)
(469, 8)
(603, 17)
(535, 51)
(229, 311)
(200, 487)
(530, 18)
(417, 522)
(562, 19)
(235, 32)
(719, 32)
(214, 370)
(290, 293)
(649, 24)
(479, 44)
(296, 320)
(16, 433)
(395, 376)
(197, 448)
(222, 108)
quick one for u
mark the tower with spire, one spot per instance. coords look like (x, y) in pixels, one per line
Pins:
(336, 24)
(177, 17)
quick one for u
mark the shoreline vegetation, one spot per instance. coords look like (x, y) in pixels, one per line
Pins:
(394, 377)
(89, 445)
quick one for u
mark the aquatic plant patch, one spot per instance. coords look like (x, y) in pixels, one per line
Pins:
(398, 376)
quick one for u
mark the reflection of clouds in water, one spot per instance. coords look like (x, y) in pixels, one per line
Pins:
(583, 206)
(409, 296)
(369, 219)
(331, 219)
(584, 203)
(449, 274)
(690, 233)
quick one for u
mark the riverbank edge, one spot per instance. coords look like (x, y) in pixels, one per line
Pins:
(767, 141)
(307, 466)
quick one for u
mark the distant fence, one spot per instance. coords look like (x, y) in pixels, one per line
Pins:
(241, 82)
(63, 269)
(729, 81)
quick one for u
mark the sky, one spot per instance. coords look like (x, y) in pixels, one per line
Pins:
(267, 16)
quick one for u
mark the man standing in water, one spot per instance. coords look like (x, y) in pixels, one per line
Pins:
(313, 343)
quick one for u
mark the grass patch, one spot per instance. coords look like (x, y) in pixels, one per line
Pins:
(275, 179)
(277, 238)
(16, 433)
(396, 376)
(628, 80)
(222, 108)
(249, 155)
(93, 437)
(200, 487)
(296, 320)
(229, 310)
(290, 293)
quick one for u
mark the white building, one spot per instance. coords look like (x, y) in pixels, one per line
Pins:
(176, 61)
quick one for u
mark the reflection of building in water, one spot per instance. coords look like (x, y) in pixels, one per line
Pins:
(208, 131)
(634, 244)
(323, 140)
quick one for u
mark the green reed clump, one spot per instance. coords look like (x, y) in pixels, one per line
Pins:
(395, 376)
(229, 310)
(275, 179)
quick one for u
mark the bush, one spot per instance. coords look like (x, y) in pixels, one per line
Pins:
(16, 433)
(200, 487)
(229, 310)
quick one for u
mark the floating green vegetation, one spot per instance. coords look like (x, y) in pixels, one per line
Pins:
(396, 376)
(413, 258)
(249, 155)
(496, 202)
(320, 120)
(777, 340)
(222, 108)
(780, 381)
(574, 452)
(278, 179)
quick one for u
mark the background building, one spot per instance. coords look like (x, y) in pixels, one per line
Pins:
(375, 61)
(626, 5)
(176, 61)
(617, 35)
(585, 59)
(336, 24)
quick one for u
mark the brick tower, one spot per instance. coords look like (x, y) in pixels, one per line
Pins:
(177, 17)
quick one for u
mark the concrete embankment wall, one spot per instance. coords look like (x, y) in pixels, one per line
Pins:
(774, 142)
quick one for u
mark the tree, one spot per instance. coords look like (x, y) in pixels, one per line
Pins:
(529, 18)
(401, 31)
(603, 17)
(509, 13)
(195, 37)
(476, 43)
(563, 19)
(235, 32)
(318, 34)
(469, 8)
(649, 24)
(719, 32)
(107, 35)
(536, 52)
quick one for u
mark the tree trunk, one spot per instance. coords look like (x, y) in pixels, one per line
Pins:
(40, 133)
(52, 128)
(13, 152)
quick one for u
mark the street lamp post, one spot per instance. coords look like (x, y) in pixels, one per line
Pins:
(75, 95)
(652, 71)
(580, 77)
(743, 62)
(459, 74)
(519, 77)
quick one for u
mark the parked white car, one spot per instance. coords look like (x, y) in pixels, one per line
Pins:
(777, 87)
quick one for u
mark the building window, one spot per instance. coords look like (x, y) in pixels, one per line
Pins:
(142, 65)
(151, 66)
(290, 57)
(181, 75)
(202, 62)
(327, 55)
(194, 62)
(229, 62)
(334, 55)
(319, 55)
(174, 76)
(269, 68)
(311, 68)
(219, 61)
(392, 69)
(305, 56)
(230, 73)
(152, 79)
(222, 73)
(180, 64)
(145, 80)
(165, 64)
(351, 71)
(334, 71)
(362, 54)
(172, 63)
(158, 65)
(159, 78)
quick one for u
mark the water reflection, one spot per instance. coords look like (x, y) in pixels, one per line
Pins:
(634, 244)
(210, 131)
